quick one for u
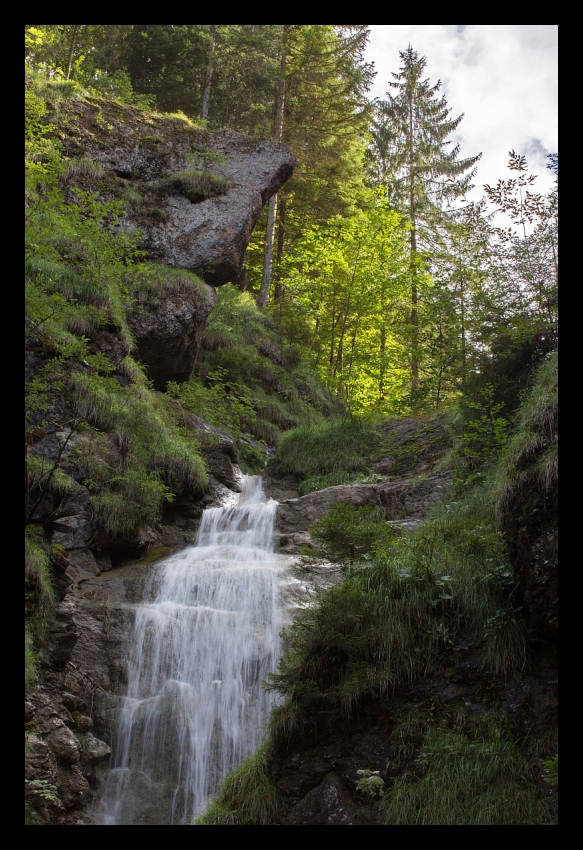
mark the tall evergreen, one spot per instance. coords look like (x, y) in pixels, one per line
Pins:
(410, 141)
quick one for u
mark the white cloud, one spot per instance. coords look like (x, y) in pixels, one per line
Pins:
(504, 78)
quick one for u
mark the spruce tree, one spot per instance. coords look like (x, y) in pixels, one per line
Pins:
(410, 140)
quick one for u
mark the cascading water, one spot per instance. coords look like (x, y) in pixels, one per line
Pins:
(205, 636)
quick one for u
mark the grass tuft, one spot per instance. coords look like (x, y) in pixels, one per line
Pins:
(247, 796)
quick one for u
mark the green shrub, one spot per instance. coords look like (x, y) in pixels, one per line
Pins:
(348, 532)
(30, 660)
(532, 452)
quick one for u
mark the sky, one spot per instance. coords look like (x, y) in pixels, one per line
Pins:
(503, 78)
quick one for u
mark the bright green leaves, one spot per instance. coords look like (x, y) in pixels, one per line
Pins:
(346, 282)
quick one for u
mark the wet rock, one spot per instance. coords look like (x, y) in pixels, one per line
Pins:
(40, 760)
(397, 498)
(64, 744)
(95, 749)
(103, 559)
(73, 532)
(296, 515)
(73, 702)
(63, 634)
(328, 804)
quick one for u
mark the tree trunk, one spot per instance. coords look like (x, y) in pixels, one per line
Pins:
(206, 96)
(280, 243)
(72, 50)
(414, 317)
(263, 296)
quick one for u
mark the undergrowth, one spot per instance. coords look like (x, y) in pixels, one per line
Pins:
(458, 779)
(405, 600)
(247, 796)
(248, 382)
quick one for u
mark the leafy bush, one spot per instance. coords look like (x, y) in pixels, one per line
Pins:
(532, 453)
(348, 532)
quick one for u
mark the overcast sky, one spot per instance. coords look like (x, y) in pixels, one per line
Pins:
(504, 78)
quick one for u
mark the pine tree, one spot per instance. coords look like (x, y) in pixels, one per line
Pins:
(410, 140)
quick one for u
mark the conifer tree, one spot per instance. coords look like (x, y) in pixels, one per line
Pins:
(410, 142)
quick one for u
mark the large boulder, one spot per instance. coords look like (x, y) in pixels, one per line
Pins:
(207, 236)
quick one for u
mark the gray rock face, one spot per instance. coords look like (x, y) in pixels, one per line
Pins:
(400, 499)
(168, 335)
(207, 237)
(326, 805)
(210, 238)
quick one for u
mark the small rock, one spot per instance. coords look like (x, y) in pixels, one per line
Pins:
(73, 702)
(84, 722)
(64, 745)
(95, 749)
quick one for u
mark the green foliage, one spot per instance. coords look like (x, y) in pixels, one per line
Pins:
(349, 533)
(82, 167)
(82, 271)
(481, 437)
(154, 282)
(159, 457)
(41, 595)
(398, 612)
(247, 796)
(371, 784)
(459, 780)
(249, 383)
(343, 296)
(42, 788)
(551, 767)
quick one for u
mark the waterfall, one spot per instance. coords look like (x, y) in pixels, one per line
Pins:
(205, 635)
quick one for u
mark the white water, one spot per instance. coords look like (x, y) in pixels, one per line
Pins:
(205, 636)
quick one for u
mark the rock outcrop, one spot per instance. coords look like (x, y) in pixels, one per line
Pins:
(208, 236)
(168, 334)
